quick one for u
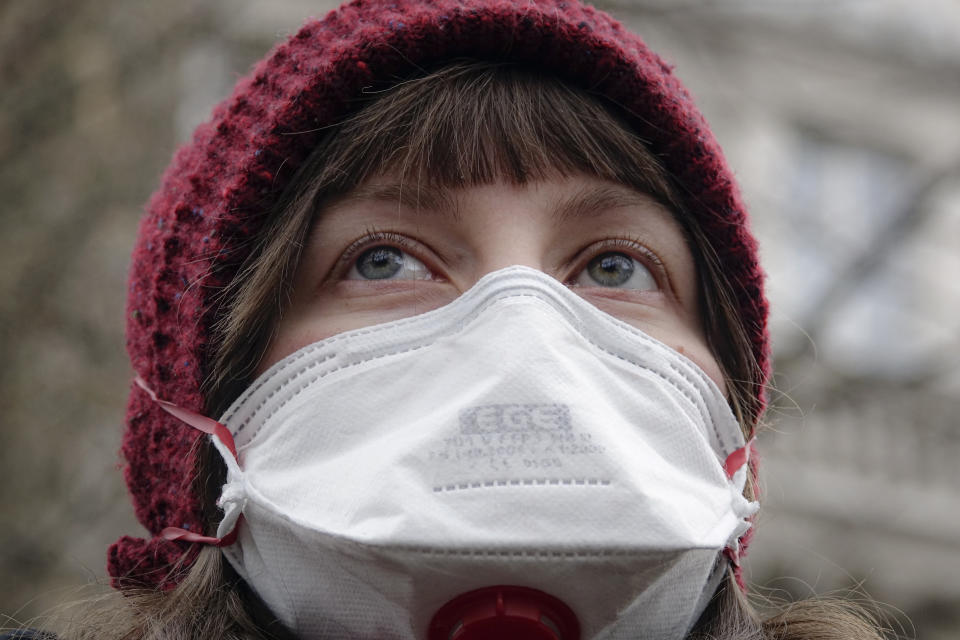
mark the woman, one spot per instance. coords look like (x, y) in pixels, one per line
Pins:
(471, 291)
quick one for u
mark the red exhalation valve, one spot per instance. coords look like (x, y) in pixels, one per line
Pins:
(504, 613)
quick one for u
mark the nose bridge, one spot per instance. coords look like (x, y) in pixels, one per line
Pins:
(513, 238)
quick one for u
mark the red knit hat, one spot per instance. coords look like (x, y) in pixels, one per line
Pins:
(216, 193)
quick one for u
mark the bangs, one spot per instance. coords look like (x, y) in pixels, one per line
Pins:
(473, 123)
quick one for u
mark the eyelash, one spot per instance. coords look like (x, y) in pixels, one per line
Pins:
(372, 238)
(632, 246)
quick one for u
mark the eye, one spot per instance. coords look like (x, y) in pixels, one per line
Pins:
(616, 270)
(384, 262)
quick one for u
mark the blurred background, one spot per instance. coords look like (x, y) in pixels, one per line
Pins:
(841, 119)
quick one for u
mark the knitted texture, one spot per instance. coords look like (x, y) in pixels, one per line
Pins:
(218, 190)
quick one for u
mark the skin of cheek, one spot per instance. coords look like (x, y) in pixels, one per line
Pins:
(692, 346)
(682, 331)
(701, 356)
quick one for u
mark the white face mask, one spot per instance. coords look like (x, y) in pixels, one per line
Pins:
(517, 436)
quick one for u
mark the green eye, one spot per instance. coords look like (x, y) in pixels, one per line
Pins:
(617, 270)
(384, 262)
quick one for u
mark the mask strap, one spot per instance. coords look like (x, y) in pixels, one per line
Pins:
(192, 419)
(212, 428)
(737, 459)
(176, 533)
(734, 463)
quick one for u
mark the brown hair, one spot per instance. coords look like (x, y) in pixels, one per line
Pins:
(466, 124)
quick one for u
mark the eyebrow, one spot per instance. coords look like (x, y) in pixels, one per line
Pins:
(588, 202)
(419, 197)
(593, 200)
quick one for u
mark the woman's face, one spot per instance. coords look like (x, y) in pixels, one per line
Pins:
(388, 250)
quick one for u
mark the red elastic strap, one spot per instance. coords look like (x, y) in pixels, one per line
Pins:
(192, 418)
(176, 533)
(208, 426)
(731, 465)
(737, 459)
